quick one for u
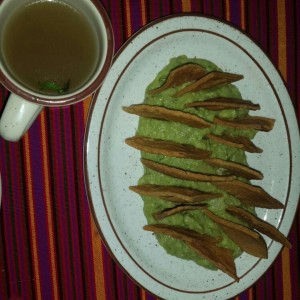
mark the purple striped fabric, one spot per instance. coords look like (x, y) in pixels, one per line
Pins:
(49, 245)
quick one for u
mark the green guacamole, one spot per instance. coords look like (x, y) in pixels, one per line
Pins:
(181, 133)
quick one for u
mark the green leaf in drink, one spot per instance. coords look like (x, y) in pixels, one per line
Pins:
(55, 87)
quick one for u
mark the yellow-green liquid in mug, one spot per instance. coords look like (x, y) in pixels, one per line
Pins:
(49, 43)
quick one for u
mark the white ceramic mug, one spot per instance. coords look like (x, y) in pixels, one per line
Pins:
(24, 105)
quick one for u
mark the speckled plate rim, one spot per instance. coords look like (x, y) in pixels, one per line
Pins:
(94, 175)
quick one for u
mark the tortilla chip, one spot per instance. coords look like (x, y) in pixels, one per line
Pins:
(180, 75)
(248, 240)
(173, 193)
(224, 103)
(235, 168)
(183, 174)
(221, 257)
(160, 215)
(248, 122)
(239, 142)
(181, 233)
(203, 245)
(166, 114)
(249, 194)
(167, 148)
(209, 80)
(260, 225)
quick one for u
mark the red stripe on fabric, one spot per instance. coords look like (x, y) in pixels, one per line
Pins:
(60, 204)
(197, 6)
(75, 140)
(260, 289)
(154, 9)
(22, 248)
(9, 229)
(295, 265)
(217, 9)
(252, 19)
(72, 215)
(109, 274)
(268, 277)
(277, 278)
(15, 215)
(207, 7)
(3, 259)
(272, 33)
(292, 54)
(85, 230)
(117, 20)
(68, 199)
(49, 212)
(51, 158)
(121, 289)
(132, 290)
(263, 25)
(172, 7)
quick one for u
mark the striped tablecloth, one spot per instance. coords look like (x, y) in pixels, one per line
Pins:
(49, 245)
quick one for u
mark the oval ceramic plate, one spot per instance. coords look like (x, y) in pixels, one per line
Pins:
(111, 166)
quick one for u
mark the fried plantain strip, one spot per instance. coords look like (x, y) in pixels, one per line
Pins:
(209, 80)
(239, 142)
(248, 240)
(204, 245)
(167, 148)
(224, 103)
(186, 73)
(160, 215)
(183, 174)
(248, 122)
(260, 225)
(166, 114)
(235, 168)
(249, 194)
(173, 193)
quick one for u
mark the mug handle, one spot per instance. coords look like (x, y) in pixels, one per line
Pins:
(17, 117)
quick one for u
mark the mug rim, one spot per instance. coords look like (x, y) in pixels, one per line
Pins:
(81, 94)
